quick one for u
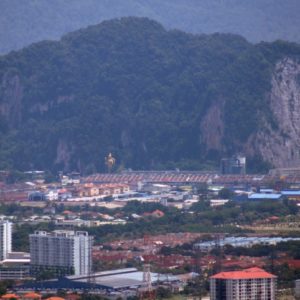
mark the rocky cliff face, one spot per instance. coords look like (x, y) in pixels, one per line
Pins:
(11, 99)
(212, 127)
(280, 144)
(277, 143)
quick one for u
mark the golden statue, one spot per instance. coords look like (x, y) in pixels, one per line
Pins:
(110, 161)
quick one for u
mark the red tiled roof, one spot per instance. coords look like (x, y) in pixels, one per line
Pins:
(251, 273)
(32, 295)
(294, 263)
(72, 296)
(10, 296)
(158, 212)
(67, 212)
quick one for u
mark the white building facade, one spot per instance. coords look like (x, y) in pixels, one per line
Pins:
(297, 288)
(5, 239)
(69, 250)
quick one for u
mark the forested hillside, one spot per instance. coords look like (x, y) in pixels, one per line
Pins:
(155, 98)
(25, 21)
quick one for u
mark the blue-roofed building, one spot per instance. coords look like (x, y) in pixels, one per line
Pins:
(291, 195)
(288, 193)
(242, 242)
(37, 196)
(265, 196)
(266, 191)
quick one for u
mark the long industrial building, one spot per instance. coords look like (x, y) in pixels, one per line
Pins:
(105, 282)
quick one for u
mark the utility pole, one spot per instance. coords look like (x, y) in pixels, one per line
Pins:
(197, 269)
(219, 248)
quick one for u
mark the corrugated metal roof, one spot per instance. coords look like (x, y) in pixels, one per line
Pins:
(121, 280)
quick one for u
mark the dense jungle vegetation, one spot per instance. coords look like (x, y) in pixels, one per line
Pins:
(133, 88)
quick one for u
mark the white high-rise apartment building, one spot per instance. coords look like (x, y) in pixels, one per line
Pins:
(5, 239)
(62, 249)
(253, 283)
(297, 288)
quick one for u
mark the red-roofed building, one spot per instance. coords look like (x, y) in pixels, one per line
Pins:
(292, 263)
(32, 296)
(156, 214)
(242, 262)
(9, 296)
(253, 283)
(72, 297)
